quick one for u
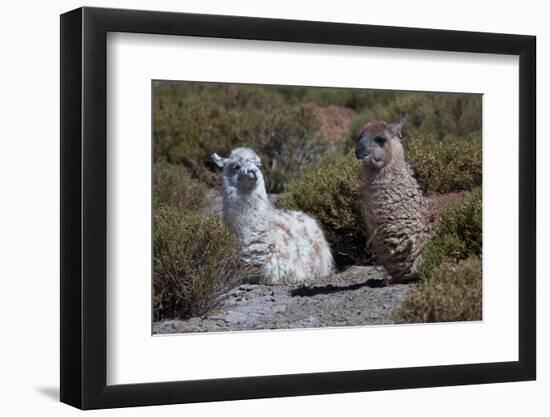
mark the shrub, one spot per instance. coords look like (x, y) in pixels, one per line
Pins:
(458, 236)
(433, 115)
(452, 164)
(195, 260)
(191, 123)
(174, 186)
(331, 192)
(352, 98)
(187, 131)
(288, 139)
(453, 294)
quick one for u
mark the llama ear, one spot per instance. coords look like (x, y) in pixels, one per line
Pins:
(397, 128)
(218, 160)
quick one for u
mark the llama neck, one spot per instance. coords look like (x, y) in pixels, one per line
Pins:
(245, 211)
(395, 175)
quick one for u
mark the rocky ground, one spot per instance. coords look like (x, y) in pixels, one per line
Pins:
(356, 297)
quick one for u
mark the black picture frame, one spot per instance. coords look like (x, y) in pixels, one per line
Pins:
(84, 207)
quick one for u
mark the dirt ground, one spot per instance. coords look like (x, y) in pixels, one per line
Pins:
(334, 121)
(356, 297)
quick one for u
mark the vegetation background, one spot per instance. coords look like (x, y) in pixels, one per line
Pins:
(305, 137)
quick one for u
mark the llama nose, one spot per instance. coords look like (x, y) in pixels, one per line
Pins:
(251, 174)
(361, 150)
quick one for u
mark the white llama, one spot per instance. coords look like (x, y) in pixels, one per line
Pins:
(279, 246)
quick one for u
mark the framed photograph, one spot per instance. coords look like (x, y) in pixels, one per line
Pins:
(258, 208)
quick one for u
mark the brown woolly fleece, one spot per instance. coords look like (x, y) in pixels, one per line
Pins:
(394, 211)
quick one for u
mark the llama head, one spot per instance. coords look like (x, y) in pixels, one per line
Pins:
(379, 143)
(241, 170)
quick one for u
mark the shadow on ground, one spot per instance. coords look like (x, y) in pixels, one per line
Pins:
(330, 289)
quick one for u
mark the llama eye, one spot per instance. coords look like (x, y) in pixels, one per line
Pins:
(236, 166)
(380, 140)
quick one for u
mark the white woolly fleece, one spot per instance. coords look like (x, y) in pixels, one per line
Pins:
(279, 246)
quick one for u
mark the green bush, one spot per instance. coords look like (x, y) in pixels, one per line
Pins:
(174, 186)
(187, 131)
(431, 115)
(195, 260)
(458, 236)
(191, 123)
(453, 294)
(330, 191)
(452, 164)
(355, 99)
(288, 139)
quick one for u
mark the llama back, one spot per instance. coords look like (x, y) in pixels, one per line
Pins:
(300, 251)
